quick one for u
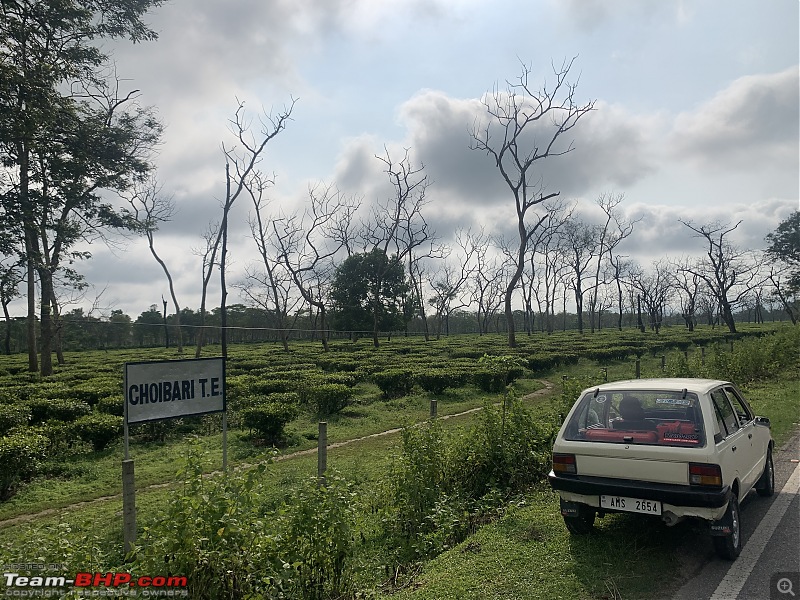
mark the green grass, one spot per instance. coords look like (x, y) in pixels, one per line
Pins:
(94, 475)
(526, 554)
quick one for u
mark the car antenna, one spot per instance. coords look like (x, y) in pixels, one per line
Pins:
(596, 391)
(684, 394)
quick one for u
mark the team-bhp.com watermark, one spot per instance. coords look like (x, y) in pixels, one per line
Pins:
(92, 585)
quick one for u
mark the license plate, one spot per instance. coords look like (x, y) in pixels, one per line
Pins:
(636, 505)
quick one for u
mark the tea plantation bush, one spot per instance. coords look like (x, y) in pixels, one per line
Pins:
(394, 383)
(111, 405)
(328, 398)
(496, 372)
(269, 415)
(44, 409)
(21, 456)
(437, 380)
(97, 429)
(13, 416)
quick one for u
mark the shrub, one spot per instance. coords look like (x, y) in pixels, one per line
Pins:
(436, 381)
(44, 409)
(489, 381)
(541, 361)
(213, 532)
(97, 429)
(328, 398)
(21, 455)
(506, 451)
(95, 389)
(111, 405)
(316, 536)
(394, 383)
(417, 478)
(496, 372)
(270, 415)
(348, 379)
(12, 416)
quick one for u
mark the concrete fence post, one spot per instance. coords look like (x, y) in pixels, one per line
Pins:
(322, 452)
(128, 506)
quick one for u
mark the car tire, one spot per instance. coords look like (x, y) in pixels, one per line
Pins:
(582, 524)
(729, 546)
(766, 483)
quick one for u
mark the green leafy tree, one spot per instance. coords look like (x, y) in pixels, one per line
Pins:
(370, 293)
(784, 250)
(67, 134)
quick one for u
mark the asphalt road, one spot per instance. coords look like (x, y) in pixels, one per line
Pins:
(769, 565)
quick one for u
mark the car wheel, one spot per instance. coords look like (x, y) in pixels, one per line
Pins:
(583, 523)
(729, 546)
(766, 484)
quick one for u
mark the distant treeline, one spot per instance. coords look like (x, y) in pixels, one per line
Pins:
(79, 331)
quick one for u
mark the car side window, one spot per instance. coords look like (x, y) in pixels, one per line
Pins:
(724, 412)
(739, 406)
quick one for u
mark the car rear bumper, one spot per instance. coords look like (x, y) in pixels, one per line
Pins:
(675, 495)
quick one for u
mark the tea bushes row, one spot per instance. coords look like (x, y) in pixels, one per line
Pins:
(493, 375)
(21, 456)
(270, 414)
(325, 398)
(13, 417)
(46, 409)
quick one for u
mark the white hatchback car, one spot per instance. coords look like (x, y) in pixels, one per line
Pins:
(673, 448)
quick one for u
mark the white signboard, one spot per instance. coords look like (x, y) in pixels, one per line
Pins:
(173, 388)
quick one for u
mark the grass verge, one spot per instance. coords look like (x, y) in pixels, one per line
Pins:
(528, 554)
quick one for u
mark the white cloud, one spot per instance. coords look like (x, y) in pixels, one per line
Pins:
(752, 122)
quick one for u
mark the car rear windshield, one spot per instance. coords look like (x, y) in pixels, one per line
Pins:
(659, 418)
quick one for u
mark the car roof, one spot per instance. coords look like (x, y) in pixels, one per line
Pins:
(700, 386)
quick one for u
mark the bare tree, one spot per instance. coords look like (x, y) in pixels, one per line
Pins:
(241, 161)
(451, 281)
(150, 208)
(546, 261)
(581, 243)
(615, 229)
(530, 124)
(729, 273)
(783, 290)
(308, 244)
(208, 256)
(655, 290)
(398, 228)
(687, 284)
(488, 282)
(274, 278)
(620, 270)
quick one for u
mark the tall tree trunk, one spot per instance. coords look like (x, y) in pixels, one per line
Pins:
(45, 321)
(7, 340)
(31, 254)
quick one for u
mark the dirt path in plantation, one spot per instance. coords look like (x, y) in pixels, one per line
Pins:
(548, 386)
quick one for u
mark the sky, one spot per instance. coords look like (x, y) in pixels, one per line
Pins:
(696, 115)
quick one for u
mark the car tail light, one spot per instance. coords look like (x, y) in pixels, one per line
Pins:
(703, 474)
(564, 463)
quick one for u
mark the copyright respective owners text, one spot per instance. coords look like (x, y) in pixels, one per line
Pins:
(52, 580)
(785, 585)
